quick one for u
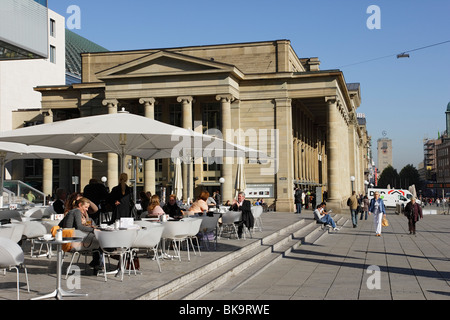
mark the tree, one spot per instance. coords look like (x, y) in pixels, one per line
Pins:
(389, 176)
(409, 176)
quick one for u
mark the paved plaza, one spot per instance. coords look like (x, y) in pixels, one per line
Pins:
(333, 266)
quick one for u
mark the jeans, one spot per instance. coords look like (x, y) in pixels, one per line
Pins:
(362, 214)
(328, 220)
(299, 207)
(354, 214)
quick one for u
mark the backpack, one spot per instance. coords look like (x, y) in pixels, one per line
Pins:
(348, 202)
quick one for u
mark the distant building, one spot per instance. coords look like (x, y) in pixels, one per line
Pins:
(384, 152)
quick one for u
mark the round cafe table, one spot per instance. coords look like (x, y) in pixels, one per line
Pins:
(59, 292)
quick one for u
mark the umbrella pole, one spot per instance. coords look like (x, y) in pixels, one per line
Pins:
(2, 176)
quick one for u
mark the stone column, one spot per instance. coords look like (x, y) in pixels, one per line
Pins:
(47, 170)
(227, 166)
(149, 167)
(188, 172)
(333, 149)
(285, 174)
(113, 159)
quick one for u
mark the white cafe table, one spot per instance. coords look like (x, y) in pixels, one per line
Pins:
(59, 292)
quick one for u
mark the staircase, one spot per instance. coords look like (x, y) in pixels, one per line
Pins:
(241, 265)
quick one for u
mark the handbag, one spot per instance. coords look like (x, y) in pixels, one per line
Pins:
(385, 222)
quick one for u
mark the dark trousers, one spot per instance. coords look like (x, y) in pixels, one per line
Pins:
(412, 225)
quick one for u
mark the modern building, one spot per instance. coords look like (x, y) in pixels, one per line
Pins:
(260, 94)
(384, 153)
(23, 29)
(19, 77)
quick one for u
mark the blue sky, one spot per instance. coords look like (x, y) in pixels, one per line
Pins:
(407, 98)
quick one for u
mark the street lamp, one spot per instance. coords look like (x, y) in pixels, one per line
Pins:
(352, 179)
(222, 181)
(366, 184)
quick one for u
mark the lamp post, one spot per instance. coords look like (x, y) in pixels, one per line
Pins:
(366, 184)
(222, 181)
(352, 179)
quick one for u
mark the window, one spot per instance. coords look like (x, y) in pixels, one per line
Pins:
(53, 28)
(52, 54)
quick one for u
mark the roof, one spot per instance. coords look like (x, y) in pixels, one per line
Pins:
(75, 45)
(448, 107)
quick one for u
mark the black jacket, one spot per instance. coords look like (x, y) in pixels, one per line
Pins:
(247, 216)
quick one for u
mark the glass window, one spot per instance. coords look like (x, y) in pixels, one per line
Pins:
(53, 28)
(52, 54)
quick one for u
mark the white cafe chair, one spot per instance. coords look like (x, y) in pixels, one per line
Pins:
(34, 213)
(148, 237)
(85, 247)
(177, 232)
(229, 219)
(257, 211)
(209, 226)
(193, 231)
(117, 242)
(32, 231)
(12, 231)
(12, 257)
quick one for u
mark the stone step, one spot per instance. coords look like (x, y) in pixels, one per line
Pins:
(241, 263)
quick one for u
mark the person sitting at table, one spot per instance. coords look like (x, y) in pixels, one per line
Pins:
(172, 209)
(200, 205)
(247, 217)
(61, 196)
(78, 219)
(154, 209)
(71, 203)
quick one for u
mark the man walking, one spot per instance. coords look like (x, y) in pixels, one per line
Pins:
(352, 202)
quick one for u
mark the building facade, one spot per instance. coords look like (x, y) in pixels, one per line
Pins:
(259, 94)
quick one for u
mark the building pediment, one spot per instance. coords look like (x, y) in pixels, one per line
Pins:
(164, 63)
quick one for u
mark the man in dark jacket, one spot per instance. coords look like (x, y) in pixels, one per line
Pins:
(247, 217)
(413, 211)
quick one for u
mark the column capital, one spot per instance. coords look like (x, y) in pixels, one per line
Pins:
(279, 102)
(185, 99)
(147, 101)
(331, 99)
(225, 97)
(110, 102)
(47, 113)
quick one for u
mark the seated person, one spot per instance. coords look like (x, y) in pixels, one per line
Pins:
(172, 209)
(154, 209)
(247, 217)
(211, 202)
(200, 205)
(78, 219)
(321, 215)
(58, 205)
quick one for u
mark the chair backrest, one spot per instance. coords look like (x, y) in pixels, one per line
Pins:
(11, 254)
(12, 231)
(257, 211)
(175, 229)
(116, 238)
(231, 217)
(195, 226)
(36, 212)
(33, 229)
(209, 223)
(10, 214)
(149, 236)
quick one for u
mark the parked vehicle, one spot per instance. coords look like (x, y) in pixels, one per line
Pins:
(392, 197)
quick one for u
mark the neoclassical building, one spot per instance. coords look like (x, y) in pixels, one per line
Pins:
(259, 94)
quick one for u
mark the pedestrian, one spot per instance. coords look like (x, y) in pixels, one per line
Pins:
(321, 215)
(121, 199)
(298, 200)
(378, 209)
(413, 211)
(352, 202)
(364, 207)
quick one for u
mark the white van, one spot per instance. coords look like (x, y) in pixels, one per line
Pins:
(392, 197)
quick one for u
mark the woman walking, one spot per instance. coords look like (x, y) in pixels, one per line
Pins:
(413, 211)
(378, 209)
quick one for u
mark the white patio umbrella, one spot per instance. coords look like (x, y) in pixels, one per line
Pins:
(121, 133)
(10, 151)
(240, 184)
(178, 180)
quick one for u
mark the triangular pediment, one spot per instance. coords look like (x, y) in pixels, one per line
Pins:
(164, 63)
